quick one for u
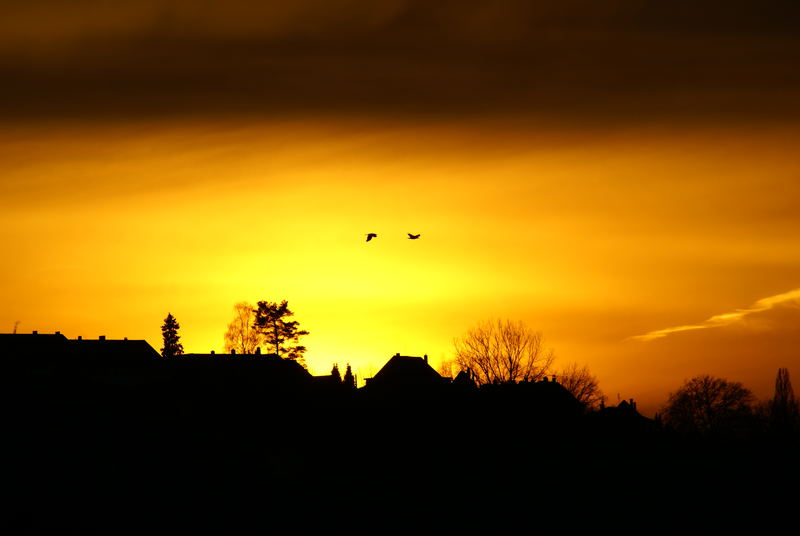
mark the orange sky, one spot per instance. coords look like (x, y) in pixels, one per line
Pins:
(594, 234)
(622, 176)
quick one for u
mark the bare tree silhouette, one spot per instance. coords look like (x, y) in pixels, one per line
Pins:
(583, 385)
(500, 351)
(448, 368)
(707, 404)
(242, 336)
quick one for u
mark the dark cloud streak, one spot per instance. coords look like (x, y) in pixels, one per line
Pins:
(624, 59)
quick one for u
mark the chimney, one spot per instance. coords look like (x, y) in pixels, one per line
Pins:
(425, 357)
(58, 333)
(395, 355)
(80, 337)
(35, 332)
(233, 352)
(258, 350)
(102, 337)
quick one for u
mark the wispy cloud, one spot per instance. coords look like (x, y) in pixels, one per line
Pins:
(724, 319)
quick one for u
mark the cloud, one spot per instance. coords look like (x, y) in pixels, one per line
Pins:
(616, 58)
(791, 297)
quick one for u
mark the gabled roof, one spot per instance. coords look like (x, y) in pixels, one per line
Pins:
(53, 357)
(31, 343)
(57, 346)
(623, 415)
(406, 372)
(128, 351)
(266, 370)
(463, 380)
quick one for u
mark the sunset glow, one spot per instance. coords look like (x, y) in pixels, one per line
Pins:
(649, 231)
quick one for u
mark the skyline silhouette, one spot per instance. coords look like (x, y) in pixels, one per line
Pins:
(519, 362)
(704, 405)
(252, 424)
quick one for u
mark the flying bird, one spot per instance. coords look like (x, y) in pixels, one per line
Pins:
(370, 236)
(413, 236)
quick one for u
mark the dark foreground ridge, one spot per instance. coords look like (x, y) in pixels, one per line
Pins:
(107, 436)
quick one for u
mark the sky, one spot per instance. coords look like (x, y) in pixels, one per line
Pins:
(621, 177)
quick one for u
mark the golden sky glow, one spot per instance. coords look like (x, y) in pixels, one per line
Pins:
(622, 176)
(593, 236)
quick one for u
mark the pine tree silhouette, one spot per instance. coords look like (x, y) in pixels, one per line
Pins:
(349, 379)
(278, 332)
(784, 410)
(335, 373)
(169, 331)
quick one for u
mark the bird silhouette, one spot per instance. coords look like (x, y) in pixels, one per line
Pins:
(370, 236)
(413, 236)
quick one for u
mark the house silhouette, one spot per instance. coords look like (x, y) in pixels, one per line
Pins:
(404, 373)
(53, 356)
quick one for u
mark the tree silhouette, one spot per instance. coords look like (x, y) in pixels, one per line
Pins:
(279, 333)
(335, 373)
(242, 335)
(169, 332)
(706, 404)
(503, 351)
(784, 412)
(349, 379)
(448, 368)
(582, 384)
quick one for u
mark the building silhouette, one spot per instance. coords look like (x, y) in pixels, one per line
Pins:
(406, 374)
